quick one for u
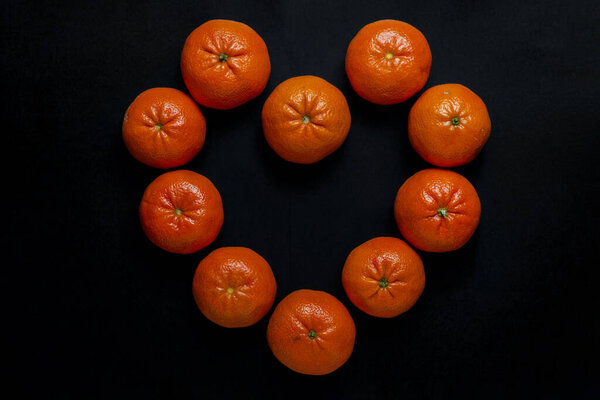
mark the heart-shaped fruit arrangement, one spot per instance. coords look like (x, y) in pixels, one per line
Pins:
(225, 64)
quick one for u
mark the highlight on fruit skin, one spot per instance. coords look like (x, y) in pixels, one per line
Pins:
(448, 125)
(163, 128)
(181, 212)
(383, 277)
(305, 119)
(225, 64)
(388, 61)
(311, 332)
(234, 287)
(437, 210)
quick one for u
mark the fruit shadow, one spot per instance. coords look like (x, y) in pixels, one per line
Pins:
(293, 176)
(447, 272)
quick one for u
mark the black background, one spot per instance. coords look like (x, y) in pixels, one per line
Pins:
(94, 310)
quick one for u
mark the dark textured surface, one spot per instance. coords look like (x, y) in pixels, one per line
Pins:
(94, 310)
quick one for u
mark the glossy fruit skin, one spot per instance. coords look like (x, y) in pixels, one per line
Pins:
(305, 119)
(384, 277)
(383, 80)
(301, 314)
(224, 83)
(420, 201)
(181, 212)
(234, 287)
(163, 128)
(448, 125)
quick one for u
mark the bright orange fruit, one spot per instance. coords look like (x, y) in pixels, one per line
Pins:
(234, 287)
(311, 332)
(305, 119)
(383, 277)
(181, 212)
(388, 61)
(437, 210)
(163, 128)
(448, 125)
(225, 64)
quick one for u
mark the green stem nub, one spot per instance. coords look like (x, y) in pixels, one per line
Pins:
(223, 57)
(312, 334)
(442, 212)
(158, 126)
(306, 119)
(177, 211)
(455, 121)
(383, 282)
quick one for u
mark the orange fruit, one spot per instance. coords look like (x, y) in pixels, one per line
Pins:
(225, 64)
(311, 332)
(388, 61)
(383, 277)
(234, 287)
(305, 119)
(437, 210)
(448, 125)
(163, 128)
(181, 212)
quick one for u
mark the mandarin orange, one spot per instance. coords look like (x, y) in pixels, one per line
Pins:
(305, 119)
(388, 61)
(234, 287)
(163, 128)
(225, 64)
(437, 210)
(383, 277)
(311, 332)
(448, 125)
(181, 211)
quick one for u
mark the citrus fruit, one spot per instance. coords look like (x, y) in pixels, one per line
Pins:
(181, 212)
(225, 64)
(234, 287)
(448, 125)
(383, 277)
(311, 332)
(163, 128)
(388, 61)
(437, 210)
(305, 119)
